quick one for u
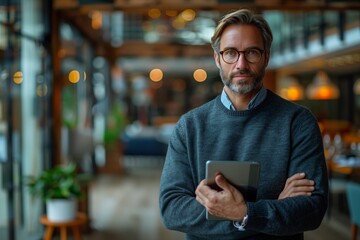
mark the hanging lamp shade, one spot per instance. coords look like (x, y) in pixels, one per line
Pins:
(321, 88)
(357, 87)
(291, 89)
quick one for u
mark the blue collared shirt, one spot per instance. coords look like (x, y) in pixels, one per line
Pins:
(255, 101)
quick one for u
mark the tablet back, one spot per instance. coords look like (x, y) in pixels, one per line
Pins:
(243, 175)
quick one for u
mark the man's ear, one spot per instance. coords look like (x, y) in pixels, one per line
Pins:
(216, 58)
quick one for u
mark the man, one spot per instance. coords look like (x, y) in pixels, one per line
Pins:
(246, 122)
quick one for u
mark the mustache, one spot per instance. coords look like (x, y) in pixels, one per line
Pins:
(243, 71)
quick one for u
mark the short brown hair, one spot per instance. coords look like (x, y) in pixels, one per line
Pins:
(242, 16)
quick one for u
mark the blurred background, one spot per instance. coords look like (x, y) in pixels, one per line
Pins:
(102, 83)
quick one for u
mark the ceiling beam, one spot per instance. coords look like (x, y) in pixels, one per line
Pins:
(145, 5)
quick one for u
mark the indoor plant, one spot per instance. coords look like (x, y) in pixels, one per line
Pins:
(60, 187)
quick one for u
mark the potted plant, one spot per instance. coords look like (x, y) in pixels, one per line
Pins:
(60, 188)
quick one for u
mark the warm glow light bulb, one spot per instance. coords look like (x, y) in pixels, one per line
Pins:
(188, 15)
(294, 94)
(18, 77)
(74, 76)
(322, 88)
(96, 20)
(324, 92)
(154, 13)
(171, 13)
(156, 75)
(200, 75)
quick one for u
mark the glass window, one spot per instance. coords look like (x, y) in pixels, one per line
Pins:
(352, 19)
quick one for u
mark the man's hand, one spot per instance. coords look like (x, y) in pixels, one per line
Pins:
(297, 185)
(228, 203)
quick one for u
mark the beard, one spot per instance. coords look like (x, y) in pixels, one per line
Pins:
(242, 86)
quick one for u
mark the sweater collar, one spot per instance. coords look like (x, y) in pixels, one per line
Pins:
(255, 101)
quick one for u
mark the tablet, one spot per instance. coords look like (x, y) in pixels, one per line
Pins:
(243, 175)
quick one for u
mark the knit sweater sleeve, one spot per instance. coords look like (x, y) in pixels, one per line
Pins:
(179, 209)
(296, 214)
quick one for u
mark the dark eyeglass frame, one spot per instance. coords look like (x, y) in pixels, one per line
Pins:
(243, 52)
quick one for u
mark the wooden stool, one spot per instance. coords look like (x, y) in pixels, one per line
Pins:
(74, 224)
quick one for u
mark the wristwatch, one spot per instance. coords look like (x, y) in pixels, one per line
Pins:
(241, 226)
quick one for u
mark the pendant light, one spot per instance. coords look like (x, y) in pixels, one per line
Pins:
(291, 89)
(321, 88)
(357, 87)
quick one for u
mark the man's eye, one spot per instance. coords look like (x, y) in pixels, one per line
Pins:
(252, 52)
(230, 53)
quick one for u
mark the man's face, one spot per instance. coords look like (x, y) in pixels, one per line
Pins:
(242, 76)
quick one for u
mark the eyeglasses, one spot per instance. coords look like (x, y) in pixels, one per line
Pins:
(231, 55)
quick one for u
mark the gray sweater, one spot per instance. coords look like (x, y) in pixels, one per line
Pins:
(282, 136)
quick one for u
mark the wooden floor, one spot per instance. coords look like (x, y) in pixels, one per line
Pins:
(126, 207)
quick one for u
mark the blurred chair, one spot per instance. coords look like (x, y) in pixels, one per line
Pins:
(143, 146)
(337, 192)
(338, 180)
(353, 197)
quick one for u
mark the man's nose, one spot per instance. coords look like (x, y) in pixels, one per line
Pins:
(241, 62)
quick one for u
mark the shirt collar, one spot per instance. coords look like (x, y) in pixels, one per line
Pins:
(255, 101)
